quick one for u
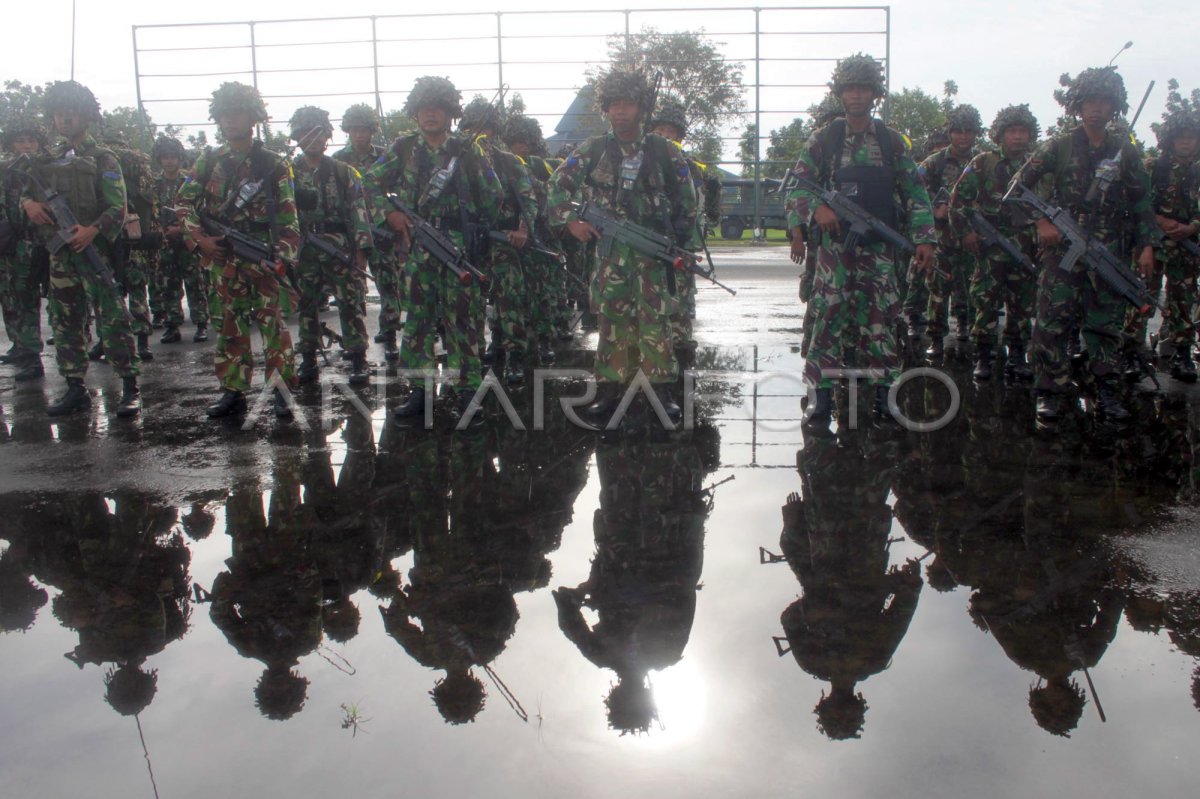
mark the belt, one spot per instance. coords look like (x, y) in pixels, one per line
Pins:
(324, 227)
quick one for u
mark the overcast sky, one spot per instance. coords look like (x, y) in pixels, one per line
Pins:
(999, 53)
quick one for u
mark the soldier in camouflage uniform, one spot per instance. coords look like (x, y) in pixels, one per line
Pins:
(361, 123)
(914, 284)
(511, 294)
(1175, 182)
(331, 204)
(22, 261)
(1069, 163)
(89, 176)
(249, 188)
(948, 284)
(417, 169)
(178, 269)
(855, 298)
(998, 282)
(670, 121)
(644, 178)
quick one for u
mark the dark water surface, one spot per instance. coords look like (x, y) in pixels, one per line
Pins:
(736, 610)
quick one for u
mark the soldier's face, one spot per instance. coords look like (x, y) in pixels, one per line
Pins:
(1185, 145)
(961, 141)
(1016, 139)
(520, 148)
(236, 125)
(432, 119)
(669, 131)
(623, 115)
(69, 124)
(169, 163)
(360, 138)
(857, 100)
(24, 144)
(312, 143)
(1096, 111)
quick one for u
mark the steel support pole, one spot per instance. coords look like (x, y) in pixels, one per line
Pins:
(375, 68)
(758, 133)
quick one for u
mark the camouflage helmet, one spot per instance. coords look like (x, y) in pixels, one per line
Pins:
(622, 84)
(360, 115)
(1097, 82)
(480, 115)
(114, 137)
(1014, 115)
(308, 118)
(964, 119)
(233, 96)
(859, 69)
(25, 123)
(937, 139)
(165, 145)
(435, 91)
(670, 111)
(526, 129)
(64, 95)
(1177, 122)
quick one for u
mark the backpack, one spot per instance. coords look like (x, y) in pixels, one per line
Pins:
(140, 196)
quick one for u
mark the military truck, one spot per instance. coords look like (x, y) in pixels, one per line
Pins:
(737, 206)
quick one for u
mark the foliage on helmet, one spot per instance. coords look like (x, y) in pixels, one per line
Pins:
(25, 124)
(479, 115)
(1096, 82)
(964, 119)
(114, 137)
(622, 84)
(234, 97)
(165, 145)
(1014, 115)
(308, 118)
(434, 91)
(859, 69)
(360, 115)
(1177, 122)
(937, 139)
(68, 95)
(829, 109)
(526, 129)
(671, 111)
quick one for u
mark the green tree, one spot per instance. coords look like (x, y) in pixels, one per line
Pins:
(139, 129)
(916, 113)
(19, 100)
(395, 124)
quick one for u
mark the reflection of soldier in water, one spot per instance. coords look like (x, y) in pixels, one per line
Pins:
(20, 597)
(855, 610)
(645, 574)
(268, 603)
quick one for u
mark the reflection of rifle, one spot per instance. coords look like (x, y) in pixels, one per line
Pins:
(440, 247)
(862, 225)
(990, 236)
(64, 217)
(642, 240)
(1110, 269)
(1192, 247)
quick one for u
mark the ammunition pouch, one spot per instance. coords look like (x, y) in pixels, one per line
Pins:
(871, 188)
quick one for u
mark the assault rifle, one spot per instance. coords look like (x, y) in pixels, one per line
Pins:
(440, 247)
(642, 240)
(328, 248)
(990, 236)
(862, 225)
(65, 219)
(246, 247)
(1190, 245)
(1109, 268)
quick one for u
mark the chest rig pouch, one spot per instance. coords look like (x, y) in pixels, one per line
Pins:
(872, 189)
(74, 177)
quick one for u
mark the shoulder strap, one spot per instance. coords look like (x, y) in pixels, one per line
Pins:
(887, 143)
(1162, 172)
(832, 141)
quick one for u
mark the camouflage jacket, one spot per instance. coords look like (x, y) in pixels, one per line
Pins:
(519, 202)
(1175, 186)
(708, 191)
(1068, 163)
(362, 163)
(981, 188)
(105, 201)
(663, 197)
(862, 149)
(941, 171)
(540, 169)
(11, 187)
(140, 196)
(218, 175)
(405, 171)
(336, 191)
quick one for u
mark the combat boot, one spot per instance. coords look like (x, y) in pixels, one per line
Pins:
(1049, 406)
(73, 400)
(130, 403)
(1018, 367)
(13, 355)
(1183, 368)
(492, 354)
(983, 361)
(546, 355)
(608, 397)
(171, 336)
(1131, 365)
(514, 368)
(309, 370)
(663, 394)
(391, 352)
(937, 349)
(96, 353)
(820, 414)
(413, 405)
(1107, 402)
(962, 329)
(384, 335)
(280, 406)
(360, 372)
(460, 411)
(32, 369)
(143, 347)
(201, 334)
(231, 403)
(880, 410)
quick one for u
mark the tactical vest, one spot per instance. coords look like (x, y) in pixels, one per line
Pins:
(871, 188)
(76, 177)
(655, 178)
(1160, 183)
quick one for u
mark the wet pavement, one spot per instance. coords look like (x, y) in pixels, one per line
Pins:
(340, 606)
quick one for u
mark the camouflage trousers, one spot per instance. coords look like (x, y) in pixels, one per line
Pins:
(317, 276)
(682, 319)
(21, 298)
(510, 297)
(1179, 315)
(545, 282)
(1068, 300)
(437, 300)
(854, 305)
(252, 293)
(580, 263)
(999, 283)
(135, 277)
(634, 304)
(953, 294)
(177, 274)
(73, 290)
(913, 287)
(388, 273)
(216, 310)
